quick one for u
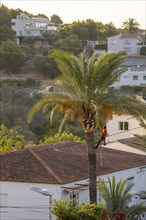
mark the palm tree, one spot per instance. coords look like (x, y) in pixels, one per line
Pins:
(117, 196)
(141, 138)
(130, 25)
(83, 94)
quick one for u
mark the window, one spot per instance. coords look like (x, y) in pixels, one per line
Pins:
(114, 42)
(127, 42)
(27, 24)
(13, 24)
(135, 77)
(123, 126)
(144, 77)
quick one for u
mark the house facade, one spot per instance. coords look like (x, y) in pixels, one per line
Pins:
(131, 43)
(25, 26)
(134, 76)
(62, 170)
(123, 126)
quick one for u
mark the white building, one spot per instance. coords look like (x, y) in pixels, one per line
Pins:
(131, 43)
(123, 126)
(25, 26)
(62, 169)
(134, 76)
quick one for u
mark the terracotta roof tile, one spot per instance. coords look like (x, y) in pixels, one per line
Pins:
(61, 163)
(129, 36)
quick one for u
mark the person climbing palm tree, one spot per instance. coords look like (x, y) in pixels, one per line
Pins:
(102, 137)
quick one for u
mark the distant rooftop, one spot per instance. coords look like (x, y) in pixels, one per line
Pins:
(129, 35)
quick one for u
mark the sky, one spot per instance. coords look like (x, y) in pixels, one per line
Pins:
(105, 11)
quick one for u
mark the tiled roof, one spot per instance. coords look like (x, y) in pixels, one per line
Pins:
(129, 36)
(61, 163)
(132, 143)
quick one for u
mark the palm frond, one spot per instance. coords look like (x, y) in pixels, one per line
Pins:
(70, 68)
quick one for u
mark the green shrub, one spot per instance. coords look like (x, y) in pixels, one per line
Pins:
(64, 210)
(61, 138)
(29, 82)
(10, 137)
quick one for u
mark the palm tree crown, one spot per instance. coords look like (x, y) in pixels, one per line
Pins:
(117, 197)
(82, 87)
(130, 25)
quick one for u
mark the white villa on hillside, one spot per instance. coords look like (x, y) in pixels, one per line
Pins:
(131, 43)
(25, 26)
(61, 169)
(134, 76)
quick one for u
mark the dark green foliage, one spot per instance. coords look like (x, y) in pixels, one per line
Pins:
(15, 102)
(5, 16)
(6, 33)
(143, 50)
(52, 38)
(46, 66)
(72, 43)
(11, 57)
(56, 20)
(29, 40)
(29, 82)
(101, 47)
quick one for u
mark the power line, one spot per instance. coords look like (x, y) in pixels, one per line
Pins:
(123, 131)
(24, 207)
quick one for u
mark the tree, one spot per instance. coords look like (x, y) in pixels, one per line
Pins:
(11, 57)
(84, 93)
(46, 66)
(9, 137)
(5, 16)
(56, 20)
(141, 138)
(6, 33)
(117, 197)
(131, 25)
(61, 138)
(72, 43)
(110, 30)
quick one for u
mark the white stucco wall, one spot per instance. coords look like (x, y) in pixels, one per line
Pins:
(113, 127)
(22, 28)
(127, 78)
(25, 204)
(116, 43)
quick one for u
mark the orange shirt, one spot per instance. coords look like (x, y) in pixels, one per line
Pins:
(104, 132)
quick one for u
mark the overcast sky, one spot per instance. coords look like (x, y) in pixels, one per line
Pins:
(106, 11)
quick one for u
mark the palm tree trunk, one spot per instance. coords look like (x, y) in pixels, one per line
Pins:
(91, 166)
